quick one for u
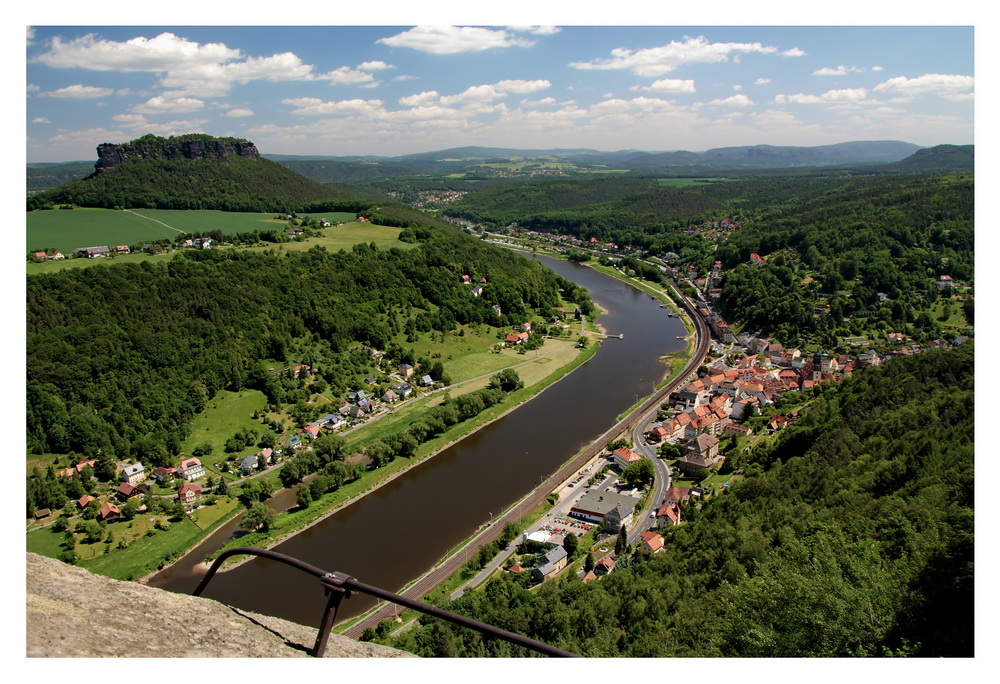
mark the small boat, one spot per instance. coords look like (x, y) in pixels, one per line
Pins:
(681, 337)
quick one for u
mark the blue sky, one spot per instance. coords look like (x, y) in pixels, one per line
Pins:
(391, 90)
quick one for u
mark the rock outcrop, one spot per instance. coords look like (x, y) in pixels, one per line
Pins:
(73, 613)
(110, 155)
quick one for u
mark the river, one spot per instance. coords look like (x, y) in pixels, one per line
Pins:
(396, 533)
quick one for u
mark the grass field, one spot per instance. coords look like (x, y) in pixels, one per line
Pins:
(226, 414)
(67, 230)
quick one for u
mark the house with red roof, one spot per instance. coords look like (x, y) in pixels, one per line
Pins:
(188, 493)
(109, 512)
(190, 469)
(651, 543)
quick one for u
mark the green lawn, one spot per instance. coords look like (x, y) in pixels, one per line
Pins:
(67, 230)
(226, 414)
(346, 236)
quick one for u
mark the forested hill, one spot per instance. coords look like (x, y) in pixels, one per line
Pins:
(852, 536)
(121, 357)
(193, 172)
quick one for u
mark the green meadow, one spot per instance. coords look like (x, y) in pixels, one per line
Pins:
(66, 230)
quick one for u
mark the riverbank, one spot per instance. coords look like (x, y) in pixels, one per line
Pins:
(295, 521)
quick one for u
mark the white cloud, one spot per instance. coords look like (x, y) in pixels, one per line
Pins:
(420, 99)
(79, 92)
(521, 87)
(40, 120)
(376, 65)
(168, 105)
(842, 70)
(877, 68)
(734, 101)
(405, 77)
(668, 85)
(130, 118)
(449, 40)
(536, 30)
(664, 59)
(346, 76)
(762, 81)
(165, 52)
(239, 112)
(342, 107)
(829, 97)
(32, 88)
(794, 52)
(946, 85)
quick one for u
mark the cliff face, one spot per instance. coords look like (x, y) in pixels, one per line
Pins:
(110, 155)
(73, 613)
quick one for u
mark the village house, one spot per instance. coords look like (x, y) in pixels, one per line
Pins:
(126, 491)
(405, 370)
(163, 474)
(700, 452)
(618, 517)
(109, 512)
(84, 500)
(668, 515)
(133, 474)
(624, 457)
(551, 563)
(92, 252)
(651, 543)
(188, 494)
(190, 469)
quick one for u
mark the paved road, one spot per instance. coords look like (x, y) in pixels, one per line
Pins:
(639, 417)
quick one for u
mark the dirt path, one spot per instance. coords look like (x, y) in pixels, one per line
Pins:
(155, 221)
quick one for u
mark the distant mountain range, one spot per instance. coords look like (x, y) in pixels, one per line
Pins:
(884, 156)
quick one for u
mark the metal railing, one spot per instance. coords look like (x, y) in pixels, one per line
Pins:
(339, 586)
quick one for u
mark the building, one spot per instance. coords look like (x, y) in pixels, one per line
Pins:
(188, 494)
(700, 452)
(552, 562)
(624, 457)
(594, 507)
(190, 469)
(134, 474)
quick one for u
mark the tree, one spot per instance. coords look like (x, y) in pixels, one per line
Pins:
(588, 563)
(223, 488)
(640, 473)
(570, 543)
(303, 497)
(258, 517)
(621, 545)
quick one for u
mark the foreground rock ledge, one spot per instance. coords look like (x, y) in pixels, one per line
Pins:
(73, 613)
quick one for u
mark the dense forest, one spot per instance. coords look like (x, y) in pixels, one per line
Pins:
(121, 357)
(865, 249)
(236, 184)
(852, 535)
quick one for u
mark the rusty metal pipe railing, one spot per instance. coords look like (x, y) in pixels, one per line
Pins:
(339, 586)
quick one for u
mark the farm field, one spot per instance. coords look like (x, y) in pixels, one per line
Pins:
(67, 230)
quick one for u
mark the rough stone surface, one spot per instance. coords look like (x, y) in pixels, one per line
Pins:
(110, 155)
(73, 613)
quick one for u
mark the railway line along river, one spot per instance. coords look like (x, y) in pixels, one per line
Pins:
(401, 530)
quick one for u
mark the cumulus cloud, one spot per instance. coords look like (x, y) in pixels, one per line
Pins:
(79, 92)
(829, 97)
(734, 101)
(664, 59)
(239, 112)
(193, 69)
(946, 85)
(376, 65)
(668, 85)
(476, 95)
(316, 107)
(420, 99)
(450, 40)
(762, 81)
(40, 120)
(842, 70)
(165, 52)
(536, 30)
(794, 52)
(168, 105)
